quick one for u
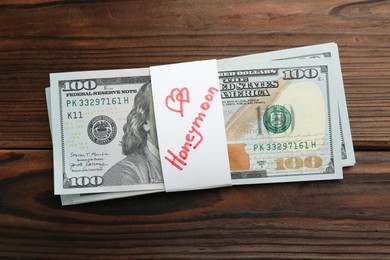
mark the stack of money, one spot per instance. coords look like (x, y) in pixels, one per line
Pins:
(285, 114)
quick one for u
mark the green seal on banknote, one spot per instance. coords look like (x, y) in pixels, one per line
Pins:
(277, 119)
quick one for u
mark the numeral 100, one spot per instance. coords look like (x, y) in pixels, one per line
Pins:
(294, 163)
(78, 85)
(300, 73)
(85, 181)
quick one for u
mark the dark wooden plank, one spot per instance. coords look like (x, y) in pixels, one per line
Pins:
(110, 19)
(39, 37)
(347, 219)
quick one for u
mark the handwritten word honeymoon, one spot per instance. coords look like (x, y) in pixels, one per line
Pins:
(194, 137)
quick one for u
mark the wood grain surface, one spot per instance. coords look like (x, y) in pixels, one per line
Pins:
(347, 219)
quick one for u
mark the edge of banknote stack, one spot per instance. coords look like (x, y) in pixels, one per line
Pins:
(285, 120)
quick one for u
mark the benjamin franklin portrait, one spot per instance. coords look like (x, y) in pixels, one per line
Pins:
(139, 143)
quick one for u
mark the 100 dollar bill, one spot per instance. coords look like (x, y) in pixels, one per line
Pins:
(71, 199)
(281, 121)
(328, 51)
(100, 142)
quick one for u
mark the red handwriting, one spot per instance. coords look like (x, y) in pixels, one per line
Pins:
(175, 100)
(194, 137)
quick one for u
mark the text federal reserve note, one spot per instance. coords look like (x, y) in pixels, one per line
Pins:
(281, 121)
(105, 135)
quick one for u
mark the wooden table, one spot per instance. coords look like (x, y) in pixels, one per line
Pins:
(347, 219)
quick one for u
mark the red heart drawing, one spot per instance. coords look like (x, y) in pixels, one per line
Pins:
(175, 100)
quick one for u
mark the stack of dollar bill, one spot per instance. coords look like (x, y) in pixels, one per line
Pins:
(285, 116)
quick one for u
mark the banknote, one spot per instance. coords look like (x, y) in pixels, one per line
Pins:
(281, 120)
(103, 133)
(328, 51)
(72, 199)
